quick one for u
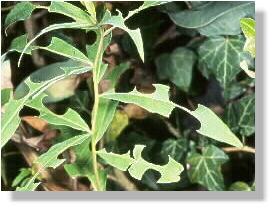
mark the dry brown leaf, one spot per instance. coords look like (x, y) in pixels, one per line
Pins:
(36, 122)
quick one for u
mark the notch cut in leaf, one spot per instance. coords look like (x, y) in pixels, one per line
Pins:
(137, 166)
(158, 102)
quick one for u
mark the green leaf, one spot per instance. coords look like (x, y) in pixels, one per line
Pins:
(6, 95)
(213, 127)
(50, 159)
(146, 5)
(115, 73)
(158, 102)
(240, 115)
(20, 12)
(205, 168)
(175, 148)
(240, 186)
(71, 11)
(137, 166)
(63, 48)
(24, 173)
(215, 18)
(222, 56)
(106, 112)
(82, 167)
(118, 124)
(48, 72)
(92, 52)
(118, 21)
(19, 44)
(70, 118)
(248, 28)
(10, 119)
(177, 67)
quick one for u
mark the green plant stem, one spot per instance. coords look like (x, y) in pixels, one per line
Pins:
(95, 110)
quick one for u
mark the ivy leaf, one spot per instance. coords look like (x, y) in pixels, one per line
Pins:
(222, 56)
(70, 118)
(205, 168)
(177, 67)
(20, 12)
(118, 21)
(158, 102)
(248, 28)
(240, 115)
(82, 167)
(240, 186)
(10, 119)
(50, 159)
(137, 166)
(215, 18)
(174, 147)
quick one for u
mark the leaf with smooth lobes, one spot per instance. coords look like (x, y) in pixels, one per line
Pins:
(24, 173)
(215, 18)
(205, 168)
(248, 28)
(118, 21)
(137, 166)
(18, 44)
(222, 56)
(50, 159)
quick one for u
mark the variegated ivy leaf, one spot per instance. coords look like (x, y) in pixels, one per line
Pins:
(240, 115)
(137, 166)
(222, 56)
(10, 119)
(215, 18)
(158, 102)
(248, 28)
(119, 21)
(50, 159)
(205, 168)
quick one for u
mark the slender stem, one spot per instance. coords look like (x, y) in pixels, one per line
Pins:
(95, 109)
